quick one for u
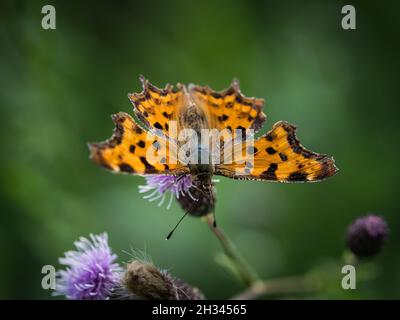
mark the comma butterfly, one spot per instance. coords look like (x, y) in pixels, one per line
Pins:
(275, 156)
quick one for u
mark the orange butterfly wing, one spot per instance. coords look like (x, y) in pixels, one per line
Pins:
(277, 156)
(134, 150)
(229, 109)
(157, 107)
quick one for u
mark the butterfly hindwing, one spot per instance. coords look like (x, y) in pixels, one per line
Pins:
(278, 156)
(129, 148)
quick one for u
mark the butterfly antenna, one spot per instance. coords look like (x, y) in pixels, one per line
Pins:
(176, 226)
(178, 223)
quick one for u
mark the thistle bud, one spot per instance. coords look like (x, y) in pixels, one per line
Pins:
(144, 281)
(366, 235)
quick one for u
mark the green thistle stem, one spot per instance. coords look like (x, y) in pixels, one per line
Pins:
(289, 285)
(246, 273)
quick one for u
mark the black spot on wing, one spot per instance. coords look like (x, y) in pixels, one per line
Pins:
(270, 136)
(148, 167)
(165, 114)
(138, 130)
(216, 95)
(298, 176)
(270, 150)
(283, 156)
(126, 168)
(269, 174)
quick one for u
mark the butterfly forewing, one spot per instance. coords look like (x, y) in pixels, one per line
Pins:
(278, 156)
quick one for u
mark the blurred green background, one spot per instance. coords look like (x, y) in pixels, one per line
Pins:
(59, 87)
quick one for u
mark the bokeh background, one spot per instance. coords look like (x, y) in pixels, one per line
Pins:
(59, 87)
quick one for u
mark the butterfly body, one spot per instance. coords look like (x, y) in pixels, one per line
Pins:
(201, 175)
(192, 117)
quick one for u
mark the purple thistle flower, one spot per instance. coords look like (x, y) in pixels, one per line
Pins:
(158, 186)
(91, 272)
(366, 235)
